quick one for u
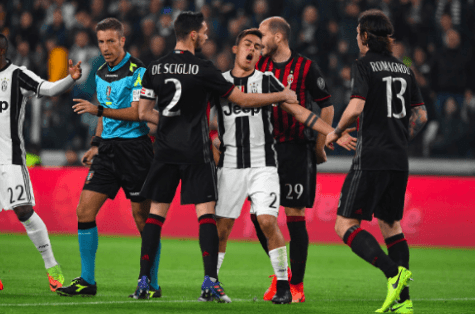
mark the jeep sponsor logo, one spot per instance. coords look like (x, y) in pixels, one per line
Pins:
(235, 109)
(3, 106)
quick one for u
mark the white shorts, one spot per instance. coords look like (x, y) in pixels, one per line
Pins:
(15, 187)
(235, 185)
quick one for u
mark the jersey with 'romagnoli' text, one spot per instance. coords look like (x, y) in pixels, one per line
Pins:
(183, 84)
(390, 90)
(307, 81)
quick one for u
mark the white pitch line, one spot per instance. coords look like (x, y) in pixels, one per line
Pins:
(196, 301)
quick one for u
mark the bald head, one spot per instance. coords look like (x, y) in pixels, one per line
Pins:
(277, 24)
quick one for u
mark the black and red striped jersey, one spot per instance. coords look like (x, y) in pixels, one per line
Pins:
(307, 81)
(390, 91)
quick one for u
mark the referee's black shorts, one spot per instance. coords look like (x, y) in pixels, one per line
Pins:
(378, 192)
(121, 163)
(297, 174)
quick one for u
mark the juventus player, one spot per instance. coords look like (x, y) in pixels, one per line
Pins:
(383, 93)
(16, 86)
(248, 163)
(182, 84)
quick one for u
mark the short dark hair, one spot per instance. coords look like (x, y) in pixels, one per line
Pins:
(110, 23)
(186, 22)
(379, 29)
(250, 31)
(280, 25)
(3, 42)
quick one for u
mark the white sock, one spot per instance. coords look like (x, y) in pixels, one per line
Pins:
(36, 230)
(220, 259)
(278, 259)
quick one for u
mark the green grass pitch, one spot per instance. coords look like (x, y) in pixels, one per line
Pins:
(337, 281)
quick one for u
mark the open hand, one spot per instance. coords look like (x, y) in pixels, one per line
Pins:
(347, 141)
(84, 106)
(75, 70)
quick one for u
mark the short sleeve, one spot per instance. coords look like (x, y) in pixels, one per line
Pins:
(214, 81)
(416, 96)
(270, 84)
(359, 81)
(317, 87)
(147, 91)
(137, 83)
(29, 82)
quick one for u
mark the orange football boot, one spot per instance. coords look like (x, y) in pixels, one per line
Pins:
(298, 296)
(272, 290)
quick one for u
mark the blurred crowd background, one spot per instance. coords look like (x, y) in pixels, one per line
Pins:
(436, 38)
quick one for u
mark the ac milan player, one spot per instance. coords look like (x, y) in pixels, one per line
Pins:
(298, 149)
(388, 103)
(182, 84)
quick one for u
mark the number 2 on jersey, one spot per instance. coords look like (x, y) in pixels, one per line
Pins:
(389, 96)
(176, 98)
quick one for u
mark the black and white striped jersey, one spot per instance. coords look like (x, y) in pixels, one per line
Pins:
(17, 84)
(246, 133)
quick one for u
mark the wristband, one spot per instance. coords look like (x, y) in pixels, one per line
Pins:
(96, 140)
(100, 110)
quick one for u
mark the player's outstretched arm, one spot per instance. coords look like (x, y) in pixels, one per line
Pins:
(311, 120)
(146, 111)
(59, 87)
(260, 100)
(126, 114)
(327, 116)
(417, 120)
(351, 113)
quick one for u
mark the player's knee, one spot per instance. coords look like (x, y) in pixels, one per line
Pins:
(23, 213)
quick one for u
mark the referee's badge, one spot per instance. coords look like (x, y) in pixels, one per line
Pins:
(290, 78)
(108, 92)
(4, 85)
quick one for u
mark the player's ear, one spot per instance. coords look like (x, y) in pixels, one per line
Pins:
(278, 37)
(194, 35)
(122, 41)
(234, 49)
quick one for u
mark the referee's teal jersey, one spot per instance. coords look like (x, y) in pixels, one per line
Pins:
(117, 88)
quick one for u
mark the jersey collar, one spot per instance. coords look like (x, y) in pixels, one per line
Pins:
(121, 63)
(281, 65)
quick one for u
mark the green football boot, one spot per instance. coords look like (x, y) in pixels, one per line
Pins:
(55, 277)
(404, 307)
(395, 286)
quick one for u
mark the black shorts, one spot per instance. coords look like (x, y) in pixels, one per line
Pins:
(297, 174)
(378, 192)
(198, 183)
(120, 163)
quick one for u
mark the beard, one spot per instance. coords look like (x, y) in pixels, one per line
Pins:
(270, 50)
(199, 44)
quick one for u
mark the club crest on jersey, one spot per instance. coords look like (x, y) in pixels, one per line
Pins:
(254, 88)
(321, 83)
(4, 85)
(290, 78)
(108, 92)
(89, 176)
